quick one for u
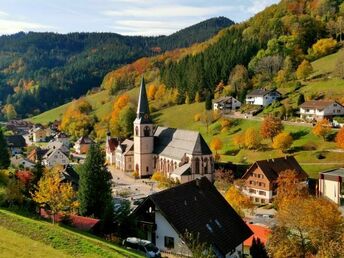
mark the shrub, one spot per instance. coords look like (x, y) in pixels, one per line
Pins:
(197, 117)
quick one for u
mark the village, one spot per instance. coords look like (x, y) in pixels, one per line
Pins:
(167, 174)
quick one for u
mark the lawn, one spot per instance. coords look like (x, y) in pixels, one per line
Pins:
(14, 245)
(55, 240)
(326, 65)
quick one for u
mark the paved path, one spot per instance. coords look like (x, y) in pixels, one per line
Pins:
(135, 188)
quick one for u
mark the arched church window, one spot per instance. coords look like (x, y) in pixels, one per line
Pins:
(197, 166)
(146, 131)
(136, 131)
(205, 164)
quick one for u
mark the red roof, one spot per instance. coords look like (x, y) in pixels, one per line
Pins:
(263, 233)
(79, 222)
(113, 143)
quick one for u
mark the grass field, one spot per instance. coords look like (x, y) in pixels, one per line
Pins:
(24, 237)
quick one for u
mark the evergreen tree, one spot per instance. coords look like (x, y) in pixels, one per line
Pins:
(208, 102)
(257, 249)
(95, 194)
(301, 99)
(37, 172)
(4, 152)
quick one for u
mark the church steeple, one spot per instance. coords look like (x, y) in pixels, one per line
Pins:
(143, 108)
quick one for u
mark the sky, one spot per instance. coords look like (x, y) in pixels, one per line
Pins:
(126, 17)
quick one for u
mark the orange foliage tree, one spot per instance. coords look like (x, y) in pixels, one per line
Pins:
(271, 127)
(251, 139)
(322, 128)
(340, 138)
(151, 91)
(216, 144)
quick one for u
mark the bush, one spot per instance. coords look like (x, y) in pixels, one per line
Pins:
(197, 117)
(309, 146)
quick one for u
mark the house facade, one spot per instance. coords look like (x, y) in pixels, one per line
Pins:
(226, 104)
(262, 97)
(320, 109)
(179, 154)
(62, 137)
(168, 224)
(55, 157)
(82, 145)
(261, 178)
(16, 144)
(125, 156)
(331, 185)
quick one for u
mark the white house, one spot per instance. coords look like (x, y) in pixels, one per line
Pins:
(125, 156)
(196, 209)
(320, 109)
(262, 97)
(55, 157)
(331, 185)
(226, 104)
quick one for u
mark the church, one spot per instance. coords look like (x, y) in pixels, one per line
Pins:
(181, 155)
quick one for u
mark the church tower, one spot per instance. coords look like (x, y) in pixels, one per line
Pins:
(143, 136)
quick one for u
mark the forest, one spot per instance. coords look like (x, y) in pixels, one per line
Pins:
(39, 71)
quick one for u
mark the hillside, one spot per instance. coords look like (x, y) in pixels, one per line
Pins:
(39, 71)
(26, 237)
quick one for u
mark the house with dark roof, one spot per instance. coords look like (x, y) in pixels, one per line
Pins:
(16, 144)
(331, 185)
(179, 154)
(82, 145)
(261, 177)
(69, 175)
(195, 208)
(62, 137)
(320, 109)
(226, 104)
(110, 148)
(262, 97)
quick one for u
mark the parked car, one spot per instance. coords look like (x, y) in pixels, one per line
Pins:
(144, 246)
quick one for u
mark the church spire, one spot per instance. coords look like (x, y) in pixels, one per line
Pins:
(143, 107)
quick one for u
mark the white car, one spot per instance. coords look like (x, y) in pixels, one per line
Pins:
(144, 246)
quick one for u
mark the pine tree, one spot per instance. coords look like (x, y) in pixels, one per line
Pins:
(95, 194)
(4, 152)
(208, 102)
(257, 249)
(37, 172)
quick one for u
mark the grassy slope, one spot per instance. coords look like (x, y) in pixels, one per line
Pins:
(38, 237)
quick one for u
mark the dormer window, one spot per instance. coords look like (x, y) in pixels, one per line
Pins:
(146, 131)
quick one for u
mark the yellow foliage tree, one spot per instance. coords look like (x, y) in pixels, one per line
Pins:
(216, 144)
(282, 141)
(54, 195)
(9, 111)
(322, 128)
(323, 47)
(251, 139)
(151, 91)
(304, 70)
(238, 200)
(239, 140)
(161, 91)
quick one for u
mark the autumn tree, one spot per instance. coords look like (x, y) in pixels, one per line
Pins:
(54, 195)
(282, 141)
(306, 227)
(304, 70)
(271, 127)
(9, 112)
(14, 191)
(239, 140)
(322, 128)
(151, 91)
(4, 152)
(290, 187)
(340, 138)
(223, 178)
(238, 200)
(216, 144)
(239, 79)
(323, 47)
(125, 121)
(251, 139)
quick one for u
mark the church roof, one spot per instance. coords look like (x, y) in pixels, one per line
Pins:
(174, 143)
(143, 107)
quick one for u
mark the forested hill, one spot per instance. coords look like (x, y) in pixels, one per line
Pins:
(39, 71)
